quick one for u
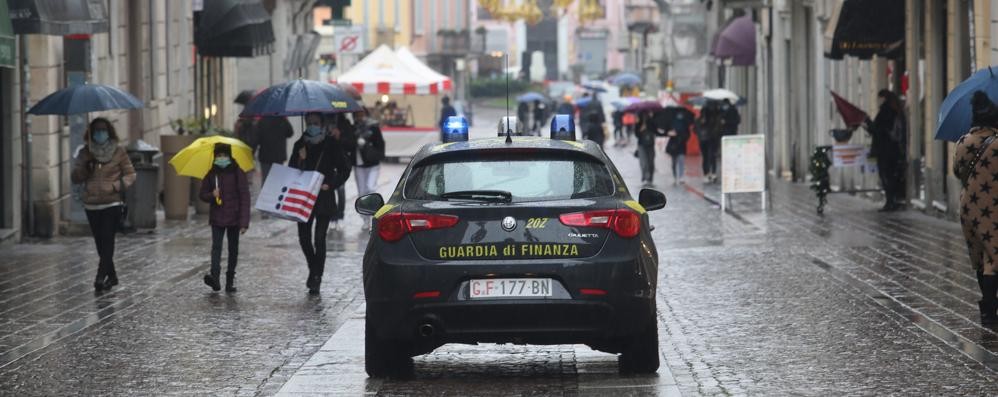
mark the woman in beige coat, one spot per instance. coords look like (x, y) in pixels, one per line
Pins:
(104, 170)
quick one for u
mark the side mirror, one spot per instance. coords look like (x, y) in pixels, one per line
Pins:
(369, 204)
(651, 199)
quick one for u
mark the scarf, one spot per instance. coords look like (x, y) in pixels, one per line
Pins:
(103, 152)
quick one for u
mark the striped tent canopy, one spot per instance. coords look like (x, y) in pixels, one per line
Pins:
(387, 72)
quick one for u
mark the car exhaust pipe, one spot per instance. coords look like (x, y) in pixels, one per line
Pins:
(426, 330)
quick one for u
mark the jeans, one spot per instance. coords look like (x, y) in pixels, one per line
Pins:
(314, 250)
(678, 166)
(103, 226)
(217, 233)
(709, 150)
(646, 157)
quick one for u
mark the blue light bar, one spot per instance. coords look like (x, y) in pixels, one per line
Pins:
(563, 127)
(455, 129)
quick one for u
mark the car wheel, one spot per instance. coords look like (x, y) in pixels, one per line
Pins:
(640, 354)
(385, 358)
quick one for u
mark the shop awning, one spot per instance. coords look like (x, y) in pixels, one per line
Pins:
(302, 53)
(736, 42)
(863, 28)
(234, 28)
(58, 17)
(6, 37)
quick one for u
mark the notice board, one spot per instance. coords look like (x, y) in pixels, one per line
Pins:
(743, 164)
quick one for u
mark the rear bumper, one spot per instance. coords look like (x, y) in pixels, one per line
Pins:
(427, 323)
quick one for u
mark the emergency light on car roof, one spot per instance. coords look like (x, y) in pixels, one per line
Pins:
(455, 129)
(563, 127)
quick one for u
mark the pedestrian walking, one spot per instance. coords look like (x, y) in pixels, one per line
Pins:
(540, 116)
(445, 113)
(618, 127)
(709, 134)
(104, 170)
(226, 189)
(313, 152)
(679, 135)
(629, 120)
(369, 154)
(975, 163)
(342, 131)
(730, 119)
(523, 112)
(566, 106)
(646, 133)
(889, 133)
(594, 130)
(271, 137)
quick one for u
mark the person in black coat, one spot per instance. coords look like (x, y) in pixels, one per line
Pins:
(271, 142)
(315, 151)
(679, 136)
(730, 119)
(888, 131)
(370, 151)
(342, 131)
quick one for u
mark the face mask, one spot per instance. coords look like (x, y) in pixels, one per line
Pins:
(313, 130)
(100, 137)
(223, 162)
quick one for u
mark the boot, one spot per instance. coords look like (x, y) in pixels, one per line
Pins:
(989, 302)
(314, 288)
(100, 282)
(211, 280)
(112, 279)
(230, 282)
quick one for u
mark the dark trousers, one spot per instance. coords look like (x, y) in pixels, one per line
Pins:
(709, 149)
(264, 170)
(217, 233)
(646, 158)
(103, 226)
(341, 202)
(314, 250)
(891, 170)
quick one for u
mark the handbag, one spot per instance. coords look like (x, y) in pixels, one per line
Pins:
(123, 225)
(963, 171)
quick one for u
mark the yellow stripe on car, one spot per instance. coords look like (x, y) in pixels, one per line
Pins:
(635, 206)
(383, 210)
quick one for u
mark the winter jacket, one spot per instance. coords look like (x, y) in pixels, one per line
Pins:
(272, 134)
(328, 158)
(730, 119)
(102, 181)
(677, 144)
(234, 193)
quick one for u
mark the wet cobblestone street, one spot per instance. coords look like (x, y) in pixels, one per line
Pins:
(779, 302)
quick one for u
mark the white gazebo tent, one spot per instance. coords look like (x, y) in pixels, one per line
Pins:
(405, 80)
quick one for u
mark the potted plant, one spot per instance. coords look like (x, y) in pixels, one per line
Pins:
(176, 188)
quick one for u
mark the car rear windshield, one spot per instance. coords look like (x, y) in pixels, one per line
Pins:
(527, 176)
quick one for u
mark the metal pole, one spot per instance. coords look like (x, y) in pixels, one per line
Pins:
(28, 205)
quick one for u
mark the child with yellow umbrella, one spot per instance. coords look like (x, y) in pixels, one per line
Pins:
(222, 163)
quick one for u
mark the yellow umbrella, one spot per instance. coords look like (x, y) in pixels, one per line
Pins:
(196, 159)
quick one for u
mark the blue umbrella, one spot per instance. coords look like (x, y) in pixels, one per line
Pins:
(298, 97)
(531, 96)
(956, 112)
(626, 79)
(583, 102)
(85, 98)
(593, 87)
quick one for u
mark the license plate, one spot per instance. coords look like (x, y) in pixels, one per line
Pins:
(510, 288)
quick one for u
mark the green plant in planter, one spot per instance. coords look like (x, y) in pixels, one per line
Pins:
(189, 125)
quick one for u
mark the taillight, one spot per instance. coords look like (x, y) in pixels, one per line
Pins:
(392, 227)
(625, 223)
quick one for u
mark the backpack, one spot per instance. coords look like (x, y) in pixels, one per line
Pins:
(370, 152)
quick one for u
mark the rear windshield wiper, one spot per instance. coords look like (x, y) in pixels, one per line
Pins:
(495, 196)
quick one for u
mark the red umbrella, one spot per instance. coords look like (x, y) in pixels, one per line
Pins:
(852, 115)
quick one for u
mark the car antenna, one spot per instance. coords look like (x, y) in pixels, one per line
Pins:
(509, 130)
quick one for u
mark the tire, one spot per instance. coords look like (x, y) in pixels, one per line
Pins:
(385, 358)
(640, 354)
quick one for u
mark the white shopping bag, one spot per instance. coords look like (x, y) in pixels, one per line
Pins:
(289, 193)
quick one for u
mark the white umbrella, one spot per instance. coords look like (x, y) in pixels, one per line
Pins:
(721, 94)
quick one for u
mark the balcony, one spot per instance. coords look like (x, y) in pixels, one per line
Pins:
(642, 16)
(453, 42)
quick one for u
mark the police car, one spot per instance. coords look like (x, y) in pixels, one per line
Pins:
(510, 239)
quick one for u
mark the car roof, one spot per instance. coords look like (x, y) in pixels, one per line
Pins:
(499, 144)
